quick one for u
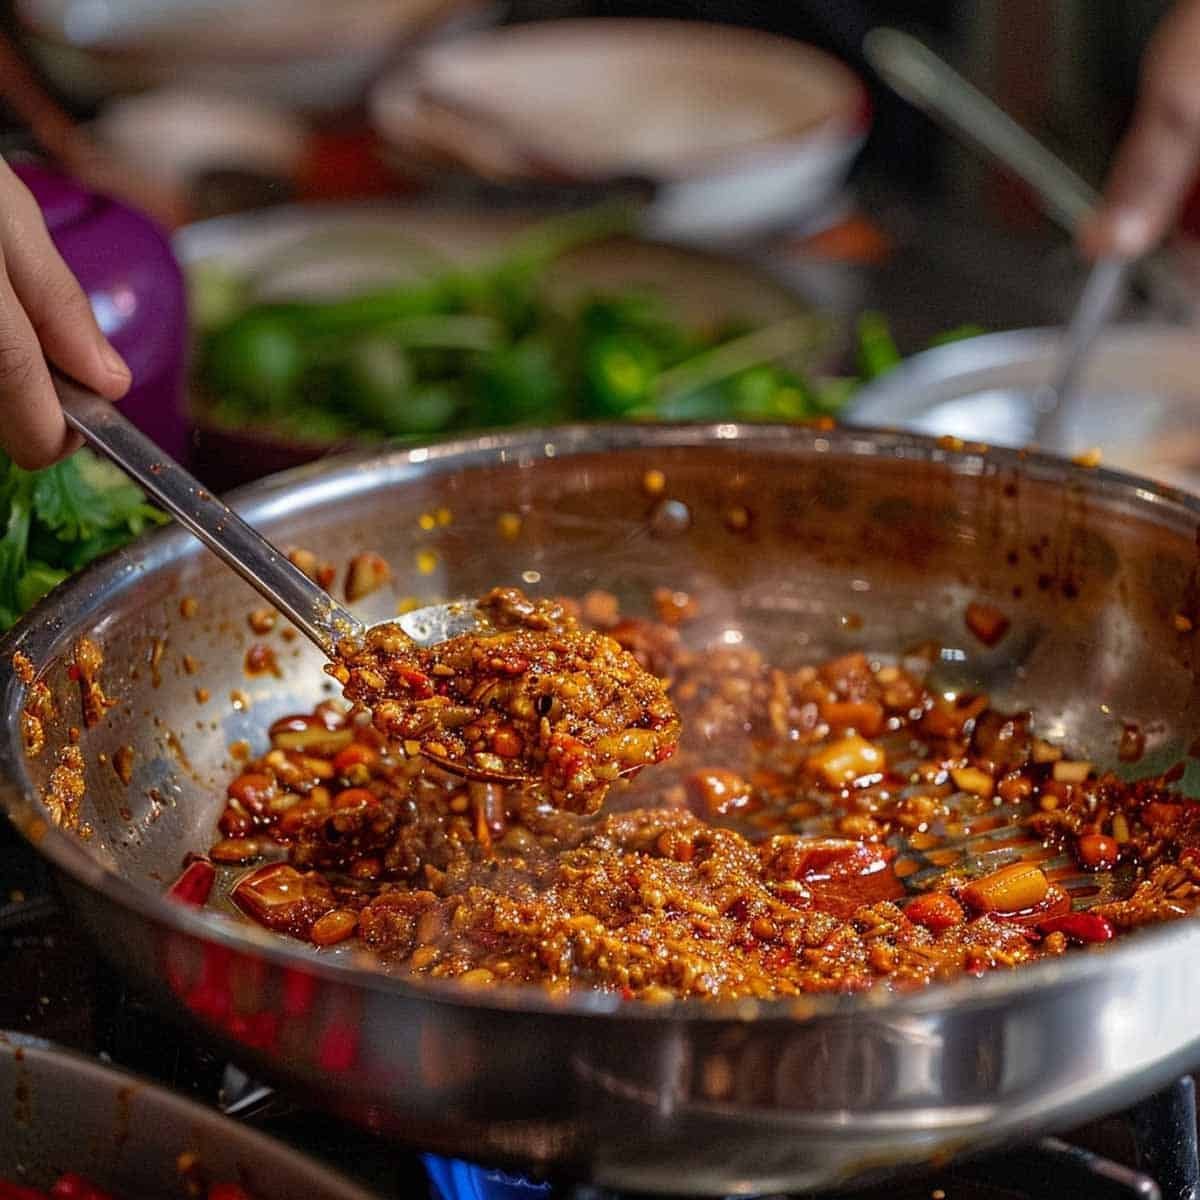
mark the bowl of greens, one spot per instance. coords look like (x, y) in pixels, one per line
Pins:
(318, 329)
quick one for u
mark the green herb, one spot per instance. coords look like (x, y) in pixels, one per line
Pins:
(58, 520)
(495, 345)
(451, 348)
(877, 349)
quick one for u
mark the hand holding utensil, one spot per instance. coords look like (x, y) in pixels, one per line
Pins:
(929, 83)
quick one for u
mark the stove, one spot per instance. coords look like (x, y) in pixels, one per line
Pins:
(56, 986)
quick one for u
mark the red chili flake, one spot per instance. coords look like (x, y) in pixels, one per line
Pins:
(417, 682)
(195, 885)
(1082, 926)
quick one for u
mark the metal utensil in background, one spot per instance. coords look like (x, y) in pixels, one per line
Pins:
(1100, 299)
(927, 81)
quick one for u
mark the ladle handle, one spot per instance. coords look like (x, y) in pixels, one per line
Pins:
(309, 607)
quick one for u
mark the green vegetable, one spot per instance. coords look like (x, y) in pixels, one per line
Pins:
(432, 407)
(215, 295)
(260, 358)
(830, 394)
(36, 582)
(379, 382)
(58, 520)
(521, 384)
(495, 345)
(85, 496)
(620, 370)
(796, 336)
(877, 350)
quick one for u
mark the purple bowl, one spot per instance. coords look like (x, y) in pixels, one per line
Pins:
(125, 264)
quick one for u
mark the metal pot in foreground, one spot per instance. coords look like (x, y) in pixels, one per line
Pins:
(853, 538)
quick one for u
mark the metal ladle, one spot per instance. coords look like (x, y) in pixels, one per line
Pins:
(309, 607)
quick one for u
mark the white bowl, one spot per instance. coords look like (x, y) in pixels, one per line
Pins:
(736, 131)
(313, 55)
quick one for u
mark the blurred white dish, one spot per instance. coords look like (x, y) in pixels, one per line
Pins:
(1138, 402)
(308, 54)
(172, 134)
(734, 130)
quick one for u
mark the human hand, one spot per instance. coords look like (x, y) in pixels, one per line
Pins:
(44, 318)
(1157, 158)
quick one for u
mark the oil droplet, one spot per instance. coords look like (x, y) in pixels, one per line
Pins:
(509, 525)
(427, 521)
(427, 562)
(653, 482)
(670, 518)
(738, 518)
(444, 516)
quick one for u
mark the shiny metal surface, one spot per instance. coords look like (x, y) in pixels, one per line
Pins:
(1140, 392)
(1101, 296)
(62, 1112)
(239, 546)
(856, 538)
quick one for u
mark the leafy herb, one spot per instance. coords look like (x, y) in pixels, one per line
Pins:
(59, 520)
(452, 348)
(495, 345)
(877, 349)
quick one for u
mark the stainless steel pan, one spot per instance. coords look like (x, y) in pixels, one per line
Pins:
(1097, 571)
(62, 1112)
